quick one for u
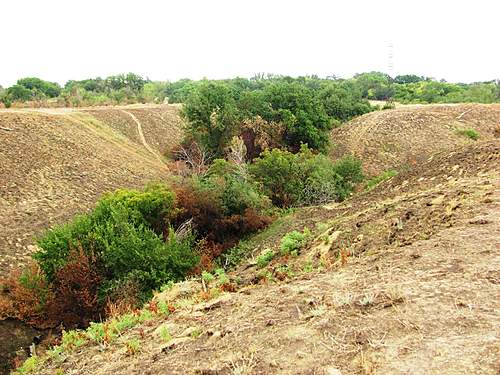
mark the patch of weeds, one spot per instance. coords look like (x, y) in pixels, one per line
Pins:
(469, 133)
(388, 105)
(55, 353)
(133, 346)
(167, 286)
(307, 267)
(367, 300)
(321, 227)
(371, 183)
(294, 241)
(284, 270)
(165, 334)
(246, 247)
(98, 332)
(145, 315)
(222, 278)
(124, 322)
(266, 275)
(207, 277)
(163, 308)
(319, 310)
(72, 340)
(344, 300)
(264, 259)
(29, 366)
(195, 333)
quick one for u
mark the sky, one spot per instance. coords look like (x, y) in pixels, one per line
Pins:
(458, 41)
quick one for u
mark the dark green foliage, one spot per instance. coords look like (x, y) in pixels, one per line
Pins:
(49, 89)
(179, 91)
(408, 78)
(212, 115)
(18, 93)
(306, 108)
(375, 85)
(305, 178)
(234, 188)
(125, 233)
(343, 100)
(302, 113)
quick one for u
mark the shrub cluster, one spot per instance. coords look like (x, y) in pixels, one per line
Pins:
(132, 243)
(305, 178)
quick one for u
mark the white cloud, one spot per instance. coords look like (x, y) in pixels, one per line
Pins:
(61, 40)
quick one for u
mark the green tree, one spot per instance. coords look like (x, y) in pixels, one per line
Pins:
(302, 113)
(212, 115)
(374, 85)
(49, 89)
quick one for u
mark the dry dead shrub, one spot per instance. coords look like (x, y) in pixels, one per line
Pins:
(24, 296)
(123, 299)
(75, 289)
(193, 155)
(259, 135)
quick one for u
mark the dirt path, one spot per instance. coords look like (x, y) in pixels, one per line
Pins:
(141, 136)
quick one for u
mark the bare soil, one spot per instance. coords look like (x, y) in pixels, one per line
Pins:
(57, 163)
(402, 137)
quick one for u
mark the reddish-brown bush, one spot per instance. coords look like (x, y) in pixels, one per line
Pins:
(24, 295)
(75, 291)
(220, 232)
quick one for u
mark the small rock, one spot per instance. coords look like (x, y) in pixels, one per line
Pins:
(332, 371)
(436, 201)
(479, 221)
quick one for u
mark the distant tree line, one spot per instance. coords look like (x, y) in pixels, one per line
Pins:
(132, 88)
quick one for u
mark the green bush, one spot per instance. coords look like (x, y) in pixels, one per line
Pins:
(234, 187)
(125, 233)
(264, 259)
(212, 116)
(305, 178)
(292, 242)
(350, 173)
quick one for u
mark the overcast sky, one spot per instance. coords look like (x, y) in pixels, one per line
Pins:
(166, 40)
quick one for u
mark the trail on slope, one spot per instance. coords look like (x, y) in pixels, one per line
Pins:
(141, 135)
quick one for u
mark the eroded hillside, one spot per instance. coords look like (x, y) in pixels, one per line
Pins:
(408, 135)
(402, 279)
(57, 163)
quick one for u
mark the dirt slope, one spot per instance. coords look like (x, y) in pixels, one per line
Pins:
(408, 135)
(417, 293)
(54, 164)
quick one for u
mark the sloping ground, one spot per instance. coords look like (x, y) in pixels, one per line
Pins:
(161, 125)
(408, 135)
(415, 291)
(57, 163)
